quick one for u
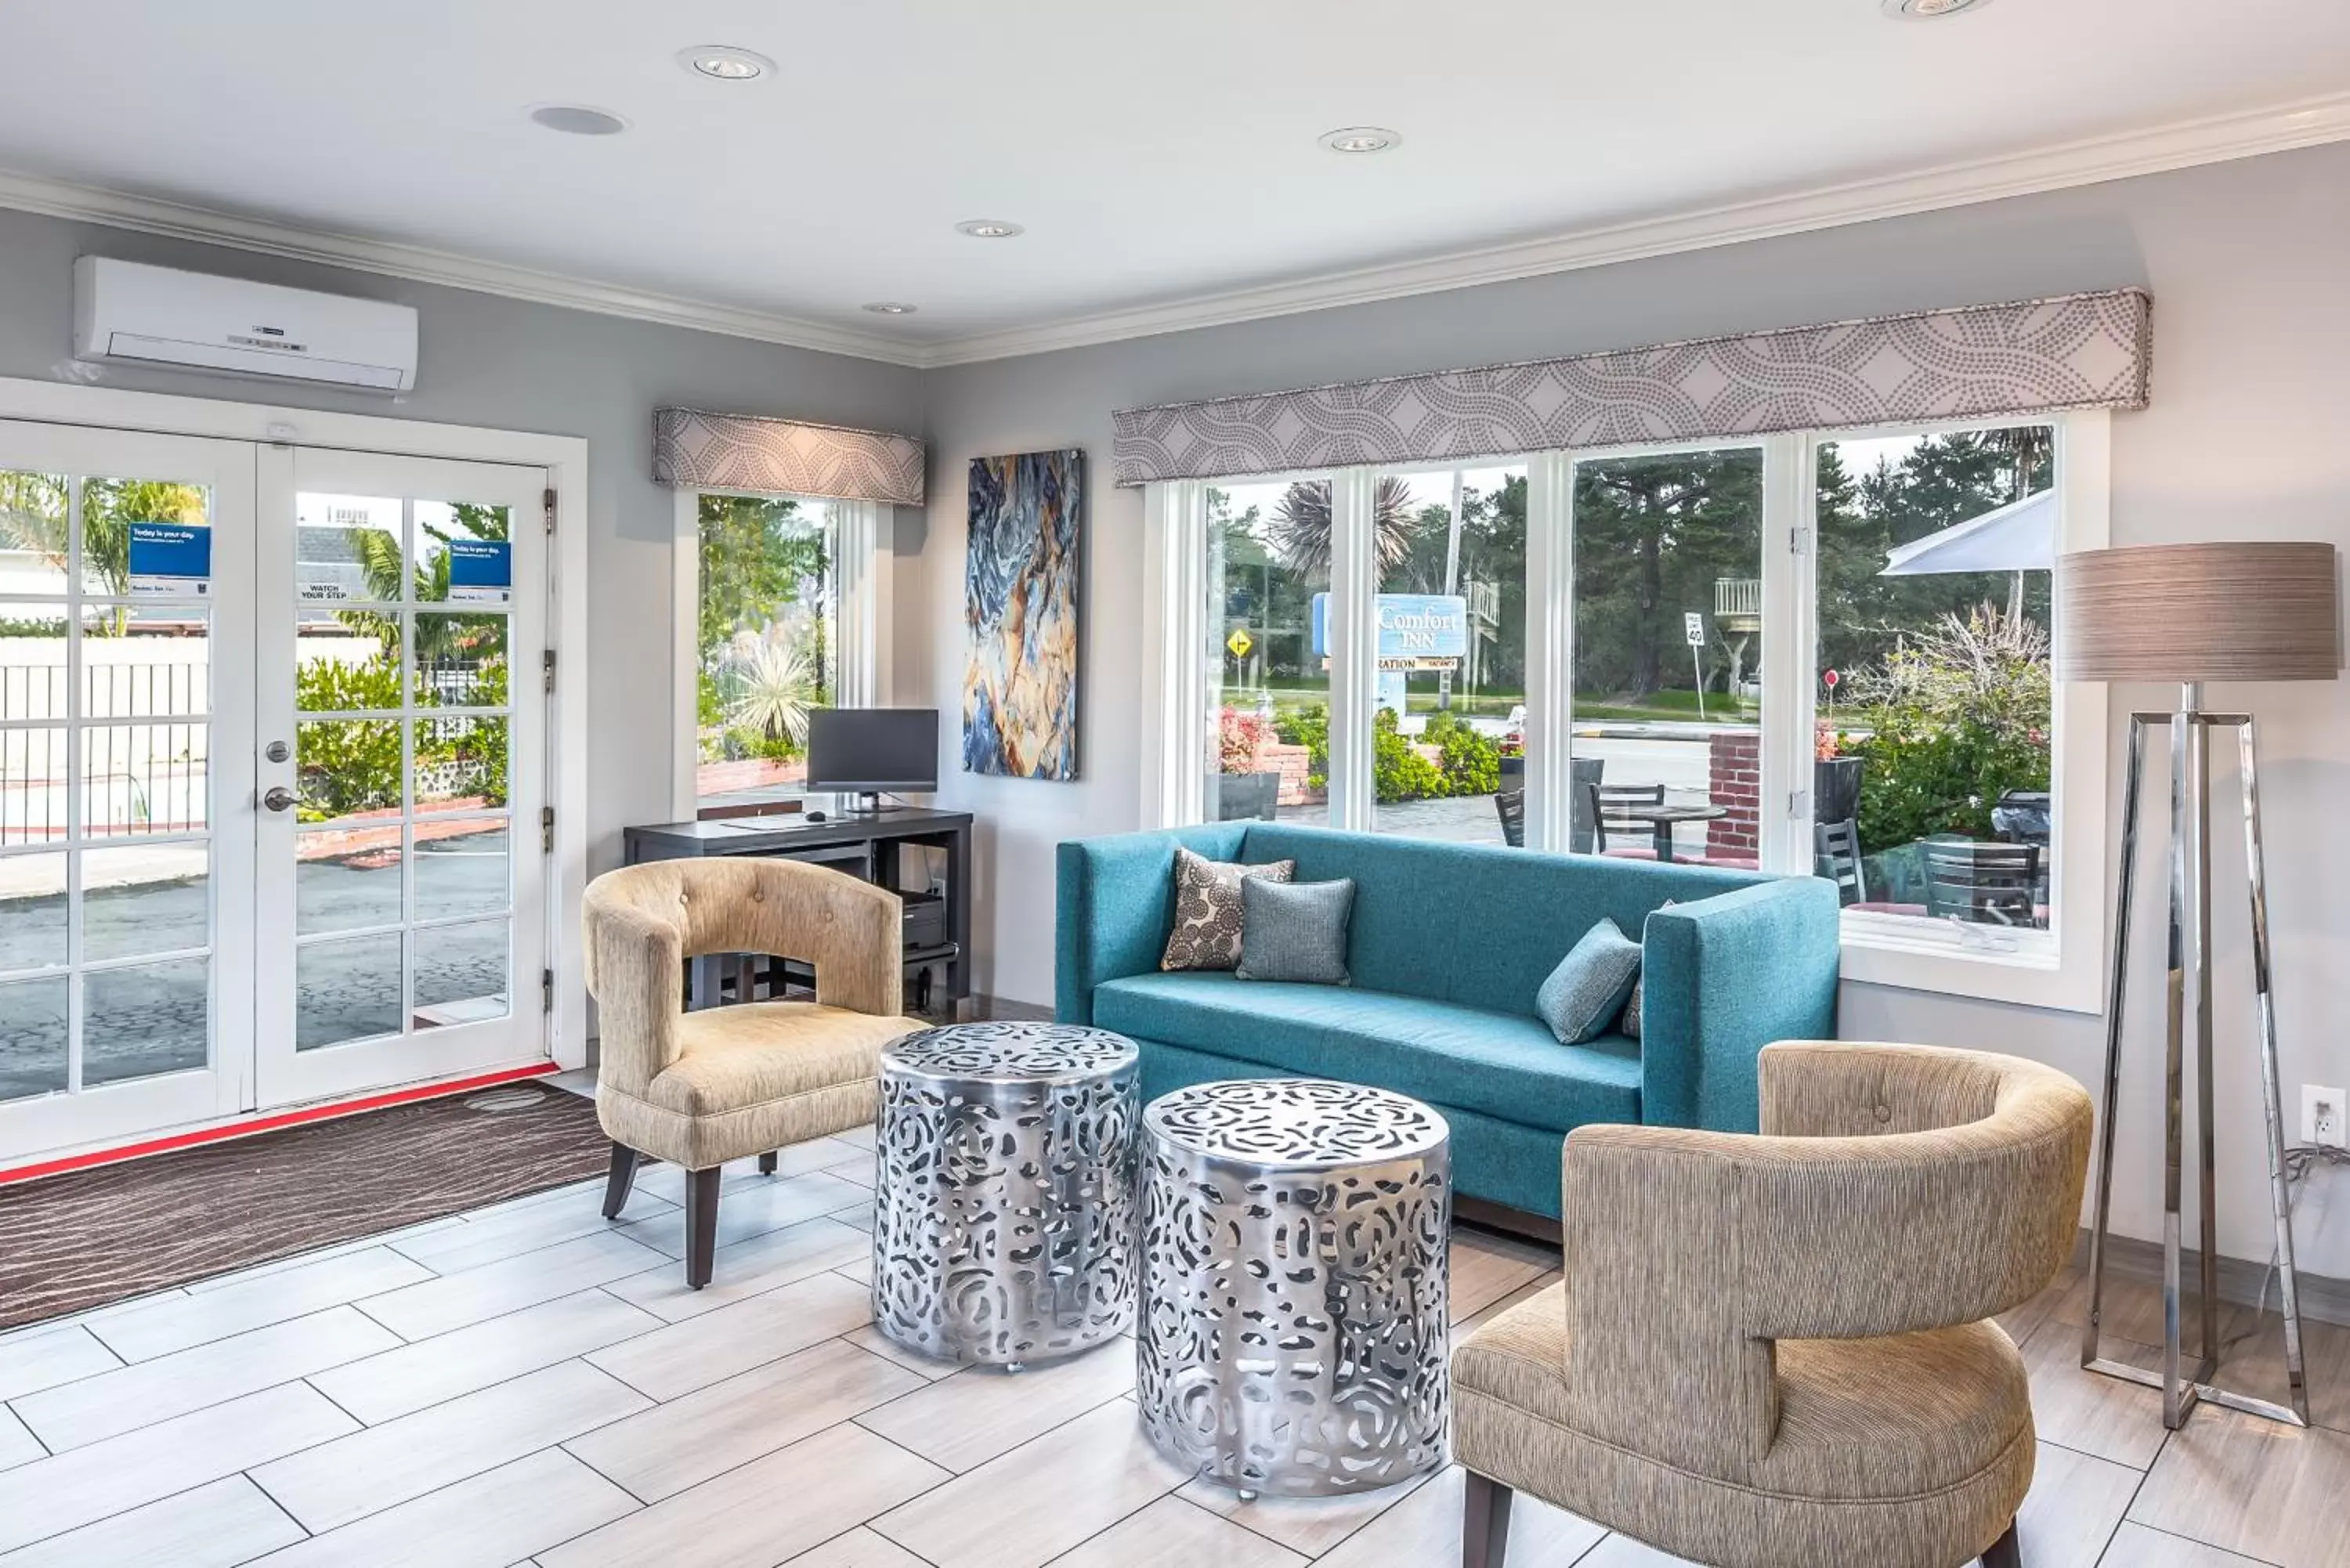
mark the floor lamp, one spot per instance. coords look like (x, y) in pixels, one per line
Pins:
(2188, 613)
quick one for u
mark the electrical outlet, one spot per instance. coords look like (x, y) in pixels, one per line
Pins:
(2321, 1116)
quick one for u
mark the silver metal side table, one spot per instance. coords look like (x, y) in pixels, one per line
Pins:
(1293, 1336)
(1004, 1217)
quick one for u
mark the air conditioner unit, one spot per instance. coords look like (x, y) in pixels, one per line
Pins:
(125, 313)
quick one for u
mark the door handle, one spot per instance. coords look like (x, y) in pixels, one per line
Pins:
(279, 799)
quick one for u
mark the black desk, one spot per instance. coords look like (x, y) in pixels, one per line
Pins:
(866, 847)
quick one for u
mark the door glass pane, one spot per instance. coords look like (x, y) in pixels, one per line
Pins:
(154, 899)
(346, 879)
(461, 973)
(461, 868)
(345, 988)
(763, 640)
(108, 509)
(1936, 719)
(32, 911)
(31, 786)
(1449, 719)
(145, 1019)
(33, 1023)
(33, 654)
(349, 663)
(346, 767)
(1268, 719)
(461, 552)
(33, 535)
(347, 550)
(139, 779)
(460, 661)
(1667, 694)
(146, 661)
(460, 763)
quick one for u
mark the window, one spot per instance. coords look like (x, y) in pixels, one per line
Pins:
(765, 641)
(1268, 691)
(1805, 654)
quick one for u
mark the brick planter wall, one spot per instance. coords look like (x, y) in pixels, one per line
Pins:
(1294, 764)
(1735, 782)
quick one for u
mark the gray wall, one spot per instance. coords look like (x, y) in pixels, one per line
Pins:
(2249, 436)
(506, 363)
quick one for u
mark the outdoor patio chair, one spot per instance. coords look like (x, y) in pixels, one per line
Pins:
(1510, 805)
(1983, 883)
(1607, 821)
(1835, 846)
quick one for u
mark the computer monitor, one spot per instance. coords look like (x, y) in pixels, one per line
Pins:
(867, 751)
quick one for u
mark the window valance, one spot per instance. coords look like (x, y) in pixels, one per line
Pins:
(692, 449)
(2081, 351)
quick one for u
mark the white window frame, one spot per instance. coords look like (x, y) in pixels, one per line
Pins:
(862, 619)
(2060, 968)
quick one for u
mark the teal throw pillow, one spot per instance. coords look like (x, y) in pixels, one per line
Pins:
(1295, 931)
(1587, 990)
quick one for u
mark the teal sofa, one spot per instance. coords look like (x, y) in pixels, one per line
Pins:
(1448, 945)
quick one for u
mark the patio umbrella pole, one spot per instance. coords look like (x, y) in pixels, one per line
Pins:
(2190, 838)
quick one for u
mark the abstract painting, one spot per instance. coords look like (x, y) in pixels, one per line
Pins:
(1020, 610)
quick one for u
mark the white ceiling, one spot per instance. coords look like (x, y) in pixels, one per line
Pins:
(1161, 154)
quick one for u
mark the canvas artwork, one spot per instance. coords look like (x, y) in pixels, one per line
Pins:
(1020, 609)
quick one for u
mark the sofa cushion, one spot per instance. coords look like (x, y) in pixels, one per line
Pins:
(1209, 909)
(1587, 990)
(1294, 931)
(1503, 1065)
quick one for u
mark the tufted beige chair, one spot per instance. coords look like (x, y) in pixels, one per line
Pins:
(700, 1088)
(1775, 1352)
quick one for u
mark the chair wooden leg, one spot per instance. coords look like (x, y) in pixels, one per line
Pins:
(700, 1225)
(1484, 1522)
(767, 1163)
(2004, 1552)
(623, 1177)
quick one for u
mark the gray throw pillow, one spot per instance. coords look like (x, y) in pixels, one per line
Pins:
(1295, 931)
(1631, 1027)
(1207, 933)
(1588, 989)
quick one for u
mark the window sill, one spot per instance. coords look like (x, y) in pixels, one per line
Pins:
(2031, 972)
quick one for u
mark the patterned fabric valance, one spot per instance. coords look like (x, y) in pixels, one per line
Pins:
(737, 452)
(2083, 351)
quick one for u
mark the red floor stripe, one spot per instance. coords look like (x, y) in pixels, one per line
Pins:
(269, 1123)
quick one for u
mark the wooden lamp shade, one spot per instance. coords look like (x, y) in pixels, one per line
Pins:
(2185, 613)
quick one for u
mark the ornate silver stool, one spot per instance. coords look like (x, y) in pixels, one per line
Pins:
(1294, 1335)
(1003, 1192)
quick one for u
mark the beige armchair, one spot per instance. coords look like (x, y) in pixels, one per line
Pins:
(700, 1088)
(1775, 1352)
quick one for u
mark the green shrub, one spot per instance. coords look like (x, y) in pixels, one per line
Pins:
(1398, 771)
(1922, 777)
(1473, 764)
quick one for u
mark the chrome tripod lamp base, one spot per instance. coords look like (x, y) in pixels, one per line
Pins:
(2188, 613)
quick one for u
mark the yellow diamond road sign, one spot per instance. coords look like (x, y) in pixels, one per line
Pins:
(1240, 642)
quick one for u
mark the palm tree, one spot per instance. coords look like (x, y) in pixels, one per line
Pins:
(1299, 530)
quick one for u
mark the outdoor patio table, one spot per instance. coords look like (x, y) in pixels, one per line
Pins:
(1662, 819)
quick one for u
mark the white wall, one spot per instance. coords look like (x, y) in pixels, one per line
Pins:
(2249, 436)
(514, 366)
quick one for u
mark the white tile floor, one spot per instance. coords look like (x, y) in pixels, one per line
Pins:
(527, 1384)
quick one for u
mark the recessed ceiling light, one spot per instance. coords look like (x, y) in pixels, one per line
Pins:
(726, 63)
(1929, 10)
(578, 119)
(890, 307)
(989, 229)
(1360, 138)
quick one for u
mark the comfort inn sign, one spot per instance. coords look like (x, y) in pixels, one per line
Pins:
(1417, 631)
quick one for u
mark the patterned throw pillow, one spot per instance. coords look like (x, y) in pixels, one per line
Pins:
(1207, 933)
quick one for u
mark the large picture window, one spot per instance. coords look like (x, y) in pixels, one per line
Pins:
(765, 643)
(1809, 654)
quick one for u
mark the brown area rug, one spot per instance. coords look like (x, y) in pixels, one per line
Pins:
(86, 1238)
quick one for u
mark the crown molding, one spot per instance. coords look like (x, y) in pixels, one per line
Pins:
(2181, 145)
(178, 219)
(2152, 150)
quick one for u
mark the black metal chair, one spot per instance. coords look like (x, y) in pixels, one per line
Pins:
(1835, 852)
(1984, 884)
(1607, 821)
(1511, 804)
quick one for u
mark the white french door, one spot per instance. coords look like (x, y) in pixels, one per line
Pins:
(126, 784)
(400, 927)
(273, 760)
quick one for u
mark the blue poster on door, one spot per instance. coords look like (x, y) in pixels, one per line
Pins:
(171, 560)
(481, 572)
